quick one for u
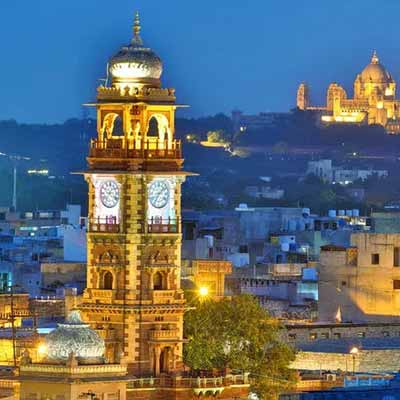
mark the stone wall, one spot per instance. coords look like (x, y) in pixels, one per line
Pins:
(366, 361)
(303, 333)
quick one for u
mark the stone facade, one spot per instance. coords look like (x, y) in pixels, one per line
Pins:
(304, 333)
(361, 283)
(366, 361)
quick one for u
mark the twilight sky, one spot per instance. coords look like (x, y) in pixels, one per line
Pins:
(218, 54)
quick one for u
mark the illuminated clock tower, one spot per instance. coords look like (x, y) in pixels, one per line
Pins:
(133, 296)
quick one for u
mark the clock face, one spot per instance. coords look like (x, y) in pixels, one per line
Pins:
(109, 194)
(159, 194)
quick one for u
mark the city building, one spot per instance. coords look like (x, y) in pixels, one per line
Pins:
(374, 100)
(325, 170)
(264, 120)
(361, 282)
(264, 192)
(71, 365)
(206, 276)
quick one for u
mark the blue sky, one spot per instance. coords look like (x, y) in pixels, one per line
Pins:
(218, 54)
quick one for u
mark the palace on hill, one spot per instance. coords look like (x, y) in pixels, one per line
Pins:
(374, 100)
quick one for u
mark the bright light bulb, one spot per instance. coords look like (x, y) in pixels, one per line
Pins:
(42, 349)
(203, 291)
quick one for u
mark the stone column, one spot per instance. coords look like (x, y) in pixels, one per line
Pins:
(157, 352)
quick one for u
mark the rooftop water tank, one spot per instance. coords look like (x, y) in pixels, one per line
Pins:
(285, 246)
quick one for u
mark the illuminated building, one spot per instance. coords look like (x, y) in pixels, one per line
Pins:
(72, 366)
(130, 345)
(374, 100)
(133, 295)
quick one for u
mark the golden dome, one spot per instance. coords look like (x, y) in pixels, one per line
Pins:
(375, 72)
(136, 64)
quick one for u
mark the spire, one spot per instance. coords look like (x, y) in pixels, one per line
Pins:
(374, 58)
(137, 40)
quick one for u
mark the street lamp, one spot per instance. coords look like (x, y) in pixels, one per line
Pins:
(354, 352)
(203, 291)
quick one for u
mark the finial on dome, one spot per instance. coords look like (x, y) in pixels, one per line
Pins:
(374, 58)
(137, 40)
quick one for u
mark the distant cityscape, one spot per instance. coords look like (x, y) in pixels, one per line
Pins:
(144, 256)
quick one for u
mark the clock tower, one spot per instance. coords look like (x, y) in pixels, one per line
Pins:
(133, 296)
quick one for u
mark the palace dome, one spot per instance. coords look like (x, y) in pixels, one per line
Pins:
(375, 72)
(135, 63)
(74, 336)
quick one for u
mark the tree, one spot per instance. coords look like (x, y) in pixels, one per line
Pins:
(239, 334)
(218, 136)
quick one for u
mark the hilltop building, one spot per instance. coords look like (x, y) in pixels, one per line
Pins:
(374, 100)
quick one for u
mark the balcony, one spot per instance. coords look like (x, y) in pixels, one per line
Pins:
(135, 149)
(160, 335)
(103, 294)
(159, 225)
(104, 225)
(163, 296)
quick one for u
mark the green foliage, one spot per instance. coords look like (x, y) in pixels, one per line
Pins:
(239, 334)
(218, 136)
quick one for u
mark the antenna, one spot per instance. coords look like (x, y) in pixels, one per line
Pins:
(14, 197)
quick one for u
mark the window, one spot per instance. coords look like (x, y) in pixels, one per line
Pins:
(292, 336)
(108, 280)
(375, 259)
(385, 334)
(396, 284)
(361, 334)
(158, 281)
(396, 257)
(313, 336)
(325, 335)
(343, 283)
(337, 335)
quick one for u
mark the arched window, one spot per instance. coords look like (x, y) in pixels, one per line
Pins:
(158, 281)
(153, 128)
(108, 280)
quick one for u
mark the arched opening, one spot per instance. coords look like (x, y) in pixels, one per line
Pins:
(108, 280)
(158, 128)
(153, 128)
(158, 281)
(118, 128)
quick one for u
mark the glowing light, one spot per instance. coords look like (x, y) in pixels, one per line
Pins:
(38, 171)
(389, 92)
(42, 349)
(203, 291)
(379, 105)
(354, 350)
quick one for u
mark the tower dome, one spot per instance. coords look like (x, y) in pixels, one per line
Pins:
(74, 336)
(375, 72)
(135, 64)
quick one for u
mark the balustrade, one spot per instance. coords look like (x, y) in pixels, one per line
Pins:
(164, 334)
(190, 382)
(163, 225)
(106, 224)
(132, 148)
